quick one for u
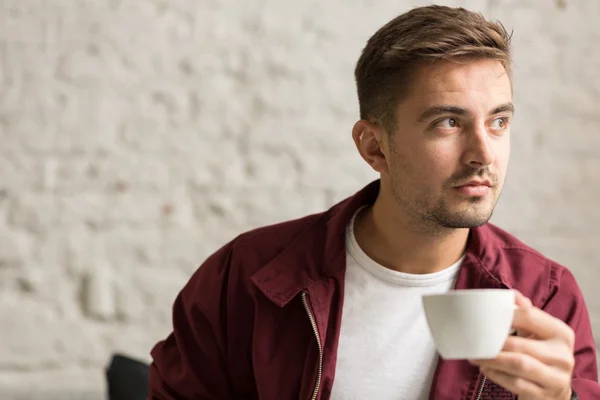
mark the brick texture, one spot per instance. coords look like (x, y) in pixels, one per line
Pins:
(138, 136)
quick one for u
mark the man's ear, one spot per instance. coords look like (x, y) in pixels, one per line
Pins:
(371, 143)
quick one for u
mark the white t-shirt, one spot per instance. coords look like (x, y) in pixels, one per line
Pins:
(385, 348)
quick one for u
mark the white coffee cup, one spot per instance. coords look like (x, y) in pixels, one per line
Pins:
(470, 323)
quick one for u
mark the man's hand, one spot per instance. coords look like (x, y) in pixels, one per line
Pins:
(537, 364)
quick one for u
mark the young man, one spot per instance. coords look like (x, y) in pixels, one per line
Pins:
(329, 306)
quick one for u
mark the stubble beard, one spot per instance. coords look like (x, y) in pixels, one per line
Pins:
(430, 212)
(439, 219)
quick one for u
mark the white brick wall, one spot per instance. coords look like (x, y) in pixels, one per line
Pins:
(137, 136)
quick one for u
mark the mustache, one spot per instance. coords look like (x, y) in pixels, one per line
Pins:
(473, 173)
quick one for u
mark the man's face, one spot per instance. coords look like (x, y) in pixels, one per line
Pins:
(448, 156)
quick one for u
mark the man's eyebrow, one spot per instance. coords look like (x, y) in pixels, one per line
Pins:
(436, 110)
(506, 107)
(439, 110)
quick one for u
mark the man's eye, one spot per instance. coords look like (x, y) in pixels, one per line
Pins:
(447, 123)
(500, 123)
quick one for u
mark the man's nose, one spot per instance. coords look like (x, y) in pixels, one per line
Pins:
(480, 152)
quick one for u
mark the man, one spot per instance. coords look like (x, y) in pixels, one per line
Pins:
(329, 306)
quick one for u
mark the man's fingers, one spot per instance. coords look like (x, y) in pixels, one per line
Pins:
(541, 350)
(542, 325)
(528, 368)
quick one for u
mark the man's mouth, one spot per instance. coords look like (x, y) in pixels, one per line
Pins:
(475, 188)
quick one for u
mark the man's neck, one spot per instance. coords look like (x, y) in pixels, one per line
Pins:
(395, 243)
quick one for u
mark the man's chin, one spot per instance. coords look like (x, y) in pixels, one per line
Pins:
(465, 220)
(469, 216)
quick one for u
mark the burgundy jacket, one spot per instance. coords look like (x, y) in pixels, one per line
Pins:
(260, 319)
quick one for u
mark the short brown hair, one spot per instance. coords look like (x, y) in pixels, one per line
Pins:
(424, 34)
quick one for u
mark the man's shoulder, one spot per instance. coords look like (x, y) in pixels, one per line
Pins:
(241, 257)
(507, 242)
(254, 249)
(276, 236)
(519, 264)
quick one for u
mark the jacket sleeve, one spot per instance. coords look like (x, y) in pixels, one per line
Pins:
(567, 303)
(191, 362)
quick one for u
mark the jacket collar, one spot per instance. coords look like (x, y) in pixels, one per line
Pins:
(319, 252)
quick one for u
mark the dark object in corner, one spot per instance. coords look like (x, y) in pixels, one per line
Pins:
(127, 379)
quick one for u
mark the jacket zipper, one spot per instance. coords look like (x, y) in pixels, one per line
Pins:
(313, 323)
(480, 391)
